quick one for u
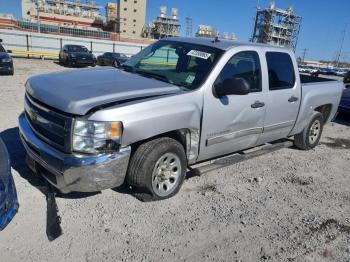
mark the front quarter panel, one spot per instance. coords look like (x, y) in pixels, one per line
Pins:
(148, 118)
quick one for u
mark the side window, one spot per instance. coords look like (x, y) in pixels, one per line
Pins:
(281, 70)
(245, 65)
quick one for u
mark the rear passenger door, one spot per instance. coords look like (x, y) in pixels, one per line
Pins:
(284, 97)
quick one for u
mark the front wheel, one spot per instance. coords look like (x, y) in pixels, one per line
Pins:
(311, 135)
(157, 169)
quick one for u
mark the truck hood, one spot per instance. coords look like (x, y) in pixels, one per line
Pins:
(79, 91)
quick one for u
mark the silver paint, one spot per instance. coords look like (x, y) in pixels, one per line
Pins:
(212, 127)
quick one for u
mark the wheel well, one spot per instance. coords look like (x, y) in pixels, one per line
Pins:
(178, 135)
(325, 110)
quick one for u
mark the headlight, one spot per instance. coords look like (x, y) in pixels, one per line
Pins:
(6, 60)
(95, 137)
(73, 56)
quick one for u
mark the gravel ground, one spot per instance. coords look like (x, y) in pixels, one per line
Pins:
(289, 205)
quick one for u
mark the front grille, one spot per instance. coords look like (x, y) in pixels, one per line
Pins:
(84, 61)
(51, 126)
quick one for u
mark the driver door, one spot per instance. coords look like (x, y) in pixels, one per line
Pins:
(234, 122)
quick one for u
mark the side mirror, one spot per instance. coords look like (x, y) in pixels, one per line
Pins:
(0, 40)
(9, 51)
(90, 52)
(232, 86)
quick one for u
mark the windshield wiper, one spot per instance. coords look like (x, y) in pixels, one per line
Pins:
(154, 75)
(128, 68)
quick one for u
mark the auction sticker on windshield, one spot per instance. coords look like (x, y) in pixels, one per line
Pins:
(199, 54)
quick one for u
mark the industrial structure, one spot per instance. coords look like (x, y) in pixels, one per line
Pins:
(210, 31)
(163, 25)
(189, 22)
(276, 26)
(206, 31)
(123, 17)
(126, 18)
(62, 12)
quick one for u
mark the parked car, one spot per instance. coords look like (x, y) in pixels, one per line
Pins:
(327, 71)
(111, 59)
(344, 106)
(340, 72)
(6, 62)
(76, 55)
(178, 102)
(302, 69)
(346, 78)
(8, 194)
(309, 70)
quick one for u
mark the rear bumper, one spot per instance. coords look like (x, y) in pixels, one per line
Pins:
(9, 208)
(8, 195)
(71, 172)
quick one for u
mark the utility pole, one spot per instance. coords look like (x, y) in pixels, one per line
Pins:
(38, 15)
(337, 59)
(304, 53)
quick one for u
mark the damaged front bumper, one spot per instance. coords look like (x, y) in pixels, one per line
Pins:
(73, 172)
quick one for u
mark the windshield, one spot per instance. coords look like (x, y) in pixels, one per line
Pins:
(2, 49)
(178, 63)
(117, 55)
(76, 48)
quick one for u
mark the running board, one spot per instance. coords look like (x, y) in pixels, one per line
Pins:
(229, 160)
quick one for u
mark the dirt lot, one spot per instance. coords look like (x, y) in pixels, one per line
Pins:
(290, 205)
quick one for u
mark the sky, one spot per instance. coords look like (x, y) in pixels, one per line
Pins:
(322, 28)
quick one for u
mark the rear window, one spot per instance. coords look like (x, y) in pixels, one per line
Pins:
(77, 48)
(281, 71)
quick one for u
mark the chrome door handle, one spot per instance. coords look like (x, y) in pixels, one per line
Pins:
(293, 99)
(257, 104)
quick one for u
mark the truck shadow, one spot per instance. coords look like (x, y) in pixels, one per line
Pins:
(17, 157)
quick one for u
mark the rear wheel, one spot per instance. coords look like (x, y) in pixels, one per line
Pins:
(157, 169)
(311, 135)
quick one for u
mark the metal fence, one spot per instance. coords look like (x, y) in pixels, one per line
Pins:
(40, 42)
(62, 30)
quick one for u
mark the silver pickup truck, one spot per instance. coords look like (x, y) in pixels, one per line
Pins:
(178, 102)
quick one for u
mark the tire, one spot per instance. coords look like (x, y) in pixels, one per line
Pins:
(311, 135)
(157, 169)
(12, 72)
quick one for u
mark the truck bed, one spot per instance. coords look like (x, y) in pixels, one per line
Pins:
(307, 79)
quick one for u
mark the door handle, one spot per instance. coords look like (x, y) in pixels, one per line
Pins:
(257, 104)
(293, 99)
